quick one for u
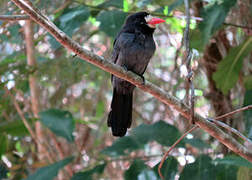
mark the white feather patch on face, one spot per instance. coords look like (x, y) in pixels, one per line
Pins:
(147, 19)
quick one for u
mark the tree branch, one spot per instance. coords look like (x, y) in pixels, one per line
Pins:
(14, 17)
(118, 71)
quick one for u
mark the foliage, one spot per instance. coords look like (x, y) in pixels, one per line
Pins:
(49, 172)
(229, 68)
(74, 96)
(59, 122)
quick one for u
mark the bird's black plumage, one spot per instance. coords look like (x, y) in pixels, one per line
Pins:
(133, 48)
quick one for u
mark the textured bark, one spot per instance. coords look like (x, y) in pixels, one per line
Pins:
(31, 61)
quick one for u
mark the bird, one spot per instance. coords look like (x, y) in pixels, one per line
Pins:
(133, 48)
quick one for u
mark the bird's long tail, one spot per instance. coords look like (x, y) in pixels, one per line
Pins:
(120, 116)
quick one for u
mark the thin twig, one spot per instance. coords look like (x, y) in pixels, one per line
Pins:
(219, 123)
(21, 114)
(237, 25)
(233, 112)
(188, 60)
(171, 148)
(60, 150)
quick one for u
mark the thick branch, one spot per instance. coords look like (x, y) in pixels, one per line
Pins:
(158, 93)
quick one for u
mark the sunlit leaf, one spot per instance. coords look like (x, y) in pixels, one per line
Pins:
(49, 172)
(213, 17)
(165, 11)
(58, 121)
(125, 6)
(89, 174)
(229, 68)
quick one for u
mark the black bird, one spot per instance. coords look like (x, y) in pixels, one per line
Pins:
(133, 48)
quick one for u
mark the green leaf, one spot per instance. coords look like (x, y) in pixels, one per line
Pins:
(112, 3)
(125, 6)
(15, 34)
(248, 82)
(3, 144)
(202, 168)
(100, 109)
(69, 22)
(248, 113)
(226, 172)
(49, 172)
(213, 17)
(147, 174)
(155, 132)
(198, 143)
(122, 146)
(73, 19)
(174, 5)
(60, 122)
(244, 173)
(143, 3)
(135, 169)
(234, 160)
(142, 135)
(229, 68)
(14, 128)
(111, 21)
(89, 174)
(169, 168)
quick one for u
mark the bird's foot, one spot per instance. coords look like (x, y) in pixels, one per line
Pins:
(124, 67)
(143, 79)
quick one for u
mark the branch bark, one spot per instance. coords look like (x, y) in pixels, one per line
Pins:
(157, 92)
(31, 61)
(14, 17)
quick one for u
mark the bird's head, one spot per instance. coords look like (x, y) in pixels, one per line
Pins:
(143, 19)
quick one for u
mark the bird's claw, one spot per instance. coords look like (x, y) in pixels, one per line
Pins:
(124, 67)
(143, 79)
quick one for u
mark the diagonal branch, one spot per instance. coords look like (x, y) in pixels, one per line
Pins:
(118, 71)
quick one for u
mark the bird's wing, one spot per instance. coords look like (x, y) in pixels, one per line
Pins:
(123, 41)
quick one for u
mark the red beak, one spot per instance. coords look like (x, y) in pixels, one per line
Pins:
(155, 21)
